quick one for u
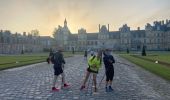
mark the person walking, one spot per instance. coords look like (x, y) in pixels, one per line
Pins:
(94, 63)
(85, 54)
(108, 60)
(58, 61)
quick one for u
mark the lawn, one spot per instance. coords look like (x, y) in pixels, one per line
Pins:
(164, 57)
(158, 69)
(10, 61)
(153, 55)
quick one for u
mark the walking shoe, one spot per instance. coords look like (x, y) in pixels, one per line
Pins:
(82, 87)
(66, 85)
(107, 89)
(110, 89)
(55, 89)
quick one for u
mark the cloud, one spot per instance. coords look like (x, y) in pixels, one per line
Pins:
(45, 15)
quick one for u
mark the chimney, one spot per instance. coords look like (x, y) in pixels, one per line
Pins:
(162, 22)
(24, 33)
(108, 27)
(166, 21)
(138, 28)
(99, 27)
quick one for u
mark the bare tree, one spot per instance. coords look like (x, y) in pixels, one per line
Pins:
(35, 32)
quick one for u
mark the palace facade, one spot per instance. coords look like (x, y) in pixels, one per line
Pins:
(17, 43)
(154, 37)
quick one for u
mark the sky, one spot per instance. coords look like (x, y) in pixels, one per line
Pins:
(45, 15)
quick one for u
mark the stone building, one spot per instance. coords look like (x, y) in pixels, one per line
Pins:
(154, 37)
(17, 43)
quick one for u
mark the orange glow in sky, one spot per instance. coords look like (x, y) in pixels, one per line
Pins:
(45, 15)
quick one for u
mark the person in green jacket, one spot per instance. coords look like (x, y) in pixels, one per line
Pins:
(94, 63)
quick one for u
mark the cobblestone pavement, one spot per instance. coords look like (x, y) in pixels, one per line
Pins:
(34, 83)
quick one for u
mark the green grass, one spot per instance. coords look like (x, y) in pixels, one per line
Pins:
(164, 57)
(157, 69)
(10, 61)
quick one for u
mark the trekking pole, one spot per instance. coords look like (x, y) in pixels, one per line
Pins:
(125, 64)
(88, 83)
(91, 91)
(101, 80)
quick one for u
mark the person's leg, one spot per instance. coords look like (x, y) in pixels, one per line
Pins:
(107, 81)
(63, 75)
(111, 76)
(54, 83)
(86, 77)
(95, 82)
(63, 78)
(110, 80)
(85, 80)
(55, 80)
(55, 75)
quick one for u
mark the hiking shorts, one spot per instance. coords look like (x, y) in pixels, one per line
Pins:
(109, 74)
(89, 70)
(57, 70)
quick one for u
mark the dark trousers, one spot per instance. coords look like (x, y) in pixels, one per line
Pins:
(109, 74)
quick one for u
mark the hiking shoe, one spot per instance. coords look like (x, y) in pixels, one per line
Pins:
(110, 89)
(107, 89)
(66, 85)
(82, 87)
(55, 89)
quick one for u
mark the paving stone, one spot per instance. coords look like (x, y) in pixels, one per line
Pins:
(35, 81)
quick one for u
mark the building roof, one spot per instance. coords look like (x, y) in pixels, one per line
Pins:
(138, 33)
(114, 34)
(92, 36)
(45, 38)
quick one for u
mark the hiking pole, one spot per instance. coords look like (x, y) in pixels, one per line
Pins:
(125, 64)
(91, 87)
(101, 80)
(88, 83)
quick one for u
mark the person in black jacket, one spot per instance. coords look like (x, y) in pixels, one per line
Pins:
(58, 60)
(109, 69)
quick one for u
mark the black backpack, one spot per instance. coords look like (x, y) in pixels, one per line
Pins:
(53, 58)
(94, 57)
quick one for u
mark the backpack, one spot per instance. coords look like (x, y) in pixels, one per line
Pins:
(53, 59)
(93, 58)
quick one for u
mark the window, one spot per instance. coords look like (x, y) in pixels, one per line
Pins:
(95, 42)
(158, 40)
(91, 42)
(139, 35)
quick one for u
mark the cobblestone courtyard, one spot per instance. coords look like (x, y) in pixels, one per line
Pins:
(34, 83)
